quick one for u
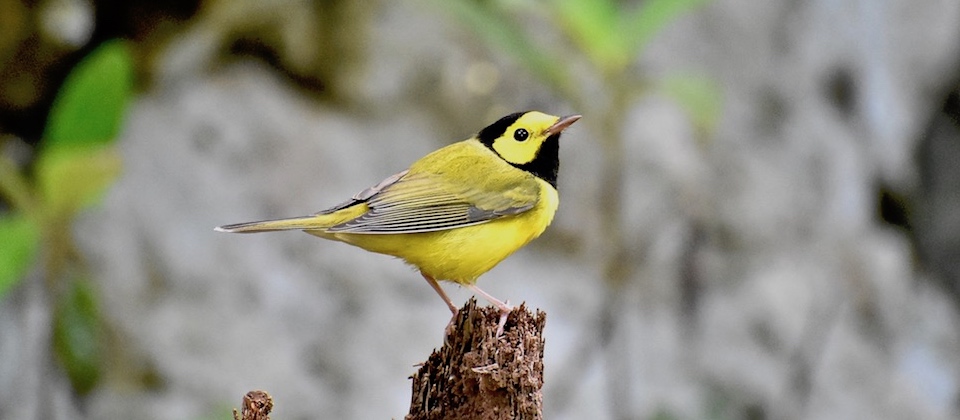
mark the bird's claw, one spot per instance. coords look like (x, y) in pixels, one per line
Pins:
(504, 313)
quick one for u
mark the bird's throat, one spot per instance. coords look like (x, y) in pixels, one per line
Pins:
(547, 162)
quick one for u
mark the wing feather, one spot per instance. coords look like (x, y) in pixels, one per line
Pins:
(421, 201)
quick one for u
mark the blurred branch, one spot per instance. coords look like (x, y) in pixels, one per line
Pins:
(477, 373)
(14, 187)
(496, 29)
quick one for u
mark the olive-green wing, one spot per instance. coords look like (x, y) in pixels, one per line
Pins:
(471, 192)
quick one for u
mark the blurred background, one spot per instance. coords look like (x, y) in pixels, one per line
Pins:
(760, 210)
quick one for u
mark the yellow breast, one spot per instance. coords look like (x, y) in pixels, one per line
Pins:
(463, 254)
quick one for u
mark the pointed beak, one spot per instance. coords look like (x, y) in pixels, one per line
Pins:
(562, 124)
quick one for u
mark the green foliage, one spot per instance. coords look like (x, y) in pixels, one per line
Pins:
(72, 178)
(609, 34)
(612, 37)
(699, 96)
(77, 335)
(651, 18)
(21, 240)
(495, 28)
(89, 108)
(596, 27)
(77, 161)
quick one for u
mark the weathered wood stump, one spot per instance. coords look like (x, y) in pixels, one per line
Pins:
(256, 405)
(476, 375)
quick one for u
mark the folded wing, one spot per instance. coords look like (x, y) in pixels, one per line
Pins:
(427, 202)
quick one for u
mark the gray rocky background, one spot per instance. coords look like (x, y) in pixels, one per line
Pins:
(800, 259)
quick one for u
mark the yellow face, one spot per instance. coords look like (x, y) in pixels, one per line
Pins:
(530, 141)
(520, 142)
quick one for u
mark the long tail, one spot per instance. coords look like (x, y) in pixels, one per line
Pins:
(293, 223)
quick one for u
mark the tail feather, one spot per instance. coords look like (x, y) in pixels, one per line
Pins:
(293, 223)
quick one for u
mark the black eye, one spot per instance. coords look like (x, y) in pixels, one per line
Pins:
(521, 134)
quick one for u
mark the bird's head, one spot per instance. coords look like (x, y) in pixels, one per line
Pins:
(529, 141)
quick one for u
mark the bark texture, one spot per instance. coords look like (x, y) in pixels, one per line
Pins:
(477, 375)
(256, 406)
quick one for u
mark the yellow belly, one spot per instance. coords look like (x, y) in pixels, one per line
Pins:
(463, 254)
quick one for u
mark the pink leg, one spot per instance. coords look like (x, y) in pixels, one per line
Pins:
(504, 307)
(436, 287)
(446, 299)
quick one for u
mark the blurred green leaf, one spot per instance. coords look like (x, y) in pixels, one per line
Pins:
(650, 19)
(77, 336)
(498, 31)
(70, 179)
(21, 241)
(89, 108)
(612, 37)
(700, 97)
(595, 27)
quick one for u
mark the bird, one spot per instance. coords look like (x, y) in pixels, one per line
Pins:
(457, 212)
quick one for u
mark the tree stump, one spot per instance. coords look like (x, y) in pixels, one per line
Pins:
(256, 405)
(476, 375)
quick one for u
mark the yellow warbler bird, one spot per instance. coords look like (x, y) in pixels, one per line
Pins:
(456, 212)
